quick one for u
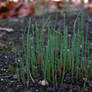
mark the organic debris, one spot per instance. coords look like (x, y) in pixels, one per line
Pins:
(89, 7)
(19, 9)
(15, 9)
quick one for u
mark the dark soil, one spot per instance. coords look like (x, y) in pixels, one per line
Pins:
(8, 79)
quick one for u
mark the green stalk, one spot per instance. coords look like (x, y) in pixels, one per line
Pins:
(73, 50)
(28, 56)
(77, 54)
(65, 52)
(86, 40)
(22, 68)
(47, 65)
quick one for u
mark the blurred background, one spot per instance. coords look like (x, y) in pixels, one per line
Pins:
(20, 8)
(86, 1)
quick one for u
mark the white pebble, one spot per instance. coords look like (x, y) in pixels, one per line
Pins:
(2, 79)
(5, 56)
(43, 83)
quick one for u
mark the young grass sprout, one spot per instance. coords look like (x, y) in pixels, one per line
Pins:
(50, 55)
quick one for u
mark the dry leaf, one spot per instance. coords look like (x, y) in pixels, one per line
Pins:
(16, 9)
(89, 7)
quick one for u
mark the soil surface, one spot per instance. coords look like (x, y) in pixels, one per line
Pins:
(8, 78)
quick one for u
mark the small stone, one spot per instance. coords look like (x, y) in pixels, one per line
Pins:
(37, 90)
(4, 70)
(69, 35)
(80, 46)
(5, 56)
(43, 83)
(18, 60)
(15, 76)
(2, 79)
(68, 50)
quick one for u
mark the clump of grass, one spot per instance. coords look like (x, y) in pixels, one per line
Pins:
(52, 55)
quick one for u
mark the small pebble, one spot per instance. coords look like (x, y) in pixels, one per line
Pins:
(2, 79)
(80, 46)
(5, 56)
(69, 35)
(15, 76)
(37, 90)
(68, 50)
(43, 83)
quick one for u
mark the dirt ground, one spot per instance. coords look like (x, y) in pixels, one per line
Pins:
(8, 81)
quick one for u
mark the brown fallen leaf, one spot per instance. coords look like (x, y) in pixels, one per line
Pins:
(26, 9)
(16, 9)
(89, 7)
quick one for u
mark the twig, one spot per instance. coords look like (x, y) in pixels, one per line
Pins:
(32, 78)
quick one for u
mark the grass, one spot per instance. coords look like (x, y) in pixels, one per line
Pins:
(52, 54)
